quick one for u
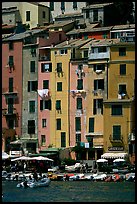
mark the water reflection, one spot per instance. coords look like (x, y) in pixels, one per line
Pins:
(71, 191)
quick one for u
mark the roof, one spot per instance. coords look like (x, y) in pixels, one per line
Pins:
(75, 43)
(69, 15)
(90, 28)
(59, 24)
(104, 42)
(125, 26)
(23, 35)
(92, 6)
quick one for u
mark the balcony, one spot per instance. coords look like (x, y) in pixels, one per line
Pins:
(78, 92)
(98, 92)
(10, 92)
(10, 111)
(112, 140)
(101, 55)
(44, 58)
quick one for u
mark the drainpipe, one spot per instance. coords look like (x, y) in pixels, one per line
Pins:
(69, 103)
(107, 78)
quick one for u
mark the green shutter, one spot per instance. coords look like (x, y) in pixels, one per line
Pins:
(63, 139)
(32, 66)
(79, 103)
(78, 123)
(58, 105)
(116, 132)
(91, 124)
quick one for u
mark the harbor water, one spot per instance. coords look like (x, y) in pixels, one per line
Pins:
(70, 191)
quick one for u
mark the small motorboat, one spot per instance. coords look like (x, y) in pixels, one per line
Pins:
(44, 182)
(100, 177)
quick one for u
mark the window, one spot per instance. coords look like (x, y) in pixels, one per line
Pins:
(46, 104)
(122, 51)
(116, 132)
(59, 86)
(43, 14)
(63, 51)
(122, 69)
(95, 15)
(122, 89)
(78, 124)
(32, 106)
(91, 124)
(32, 86)
(11, 84)
(11, 61)
(46, 67)
(44, 122)
(80, 84)
(63, 139)
(116, 109)
(31, 126)
(98, 106)
(27, 15)
(51, 6)
(102, 49)
(10, 105)
(59, 67)
(63, 6)
(99, 84)
(11, 45)
(45, 84)
(33, 52)
(78, 138)
(32, 66)
(58, 124)
(79, 103)
(75, 5)
(99, 67)
(58, 105)
(43, 140)
(11, 123)
(87, 14)
(86, 54)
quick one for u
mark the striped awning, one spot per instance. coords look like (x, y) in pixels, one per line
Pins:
(114, 155)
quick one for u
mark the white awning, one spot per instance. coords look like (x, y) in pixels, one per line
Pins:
(114, 155)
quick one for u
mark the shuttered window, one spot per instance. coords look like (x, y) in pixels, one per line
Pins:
(78, 124)
(79, 103)
(63, 139)
(116, 132)
(32, 66)
(91, 124)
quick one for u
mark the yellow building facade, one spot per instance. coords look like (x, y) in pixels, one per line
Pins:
(119, 108)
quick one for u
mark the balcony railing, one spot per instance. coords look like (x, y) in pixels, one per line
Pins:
(10, 111)
(44, 58)
(119, 140)
(9, 91)
(101, 55)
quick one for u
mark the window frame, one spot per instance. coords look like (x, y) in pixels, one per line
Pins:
(59, 86)
(27, 15)
(58, 124)
(32, 106)
(122, 69)
(44, 122)
(116, 136)
(116, 110)
(32, 66)
(79, 103)
(122, 51)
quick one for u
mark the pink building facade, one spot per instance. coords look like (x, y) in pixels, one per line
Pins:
(11, 90)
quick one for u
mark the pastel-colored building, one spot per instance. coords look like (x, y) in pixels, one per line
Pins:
(11, 91)
(45, 92)
(119, 108)
(32, 14)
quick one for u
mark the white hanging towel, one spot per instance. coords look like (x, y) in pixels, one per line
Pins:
(43, 93)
